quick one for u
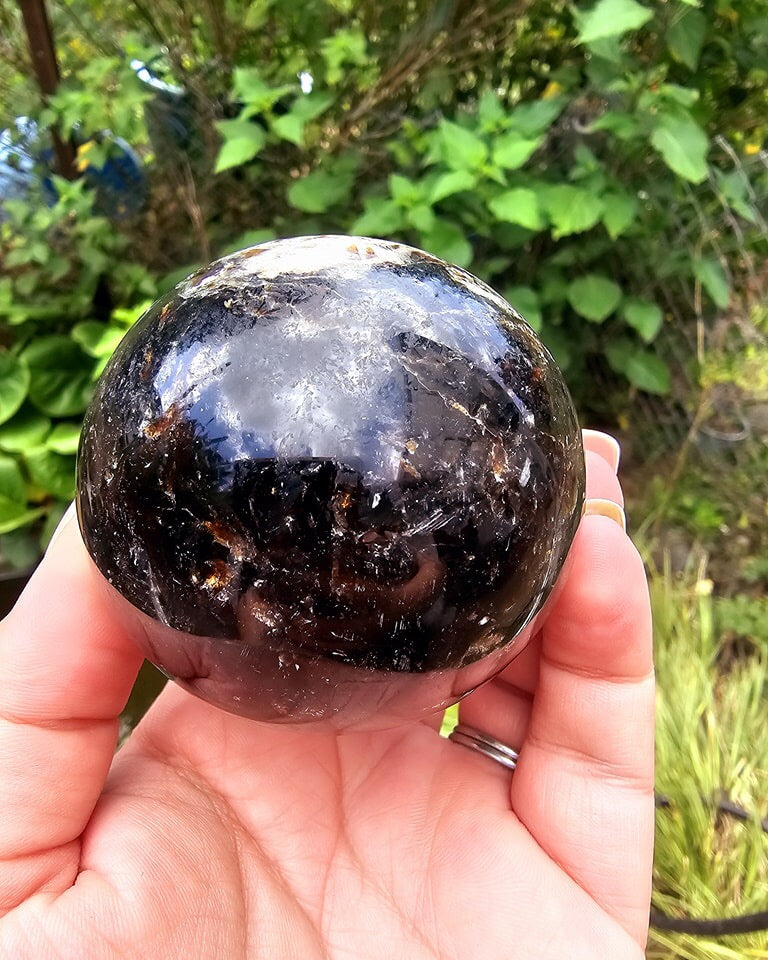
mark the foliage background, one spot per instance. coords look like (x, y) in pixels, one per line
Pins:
(603, 165)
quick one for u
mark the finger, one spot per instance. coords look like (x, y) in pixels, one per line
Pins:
(502, 707)
(584, 784)
(67, 674)
(605, 445)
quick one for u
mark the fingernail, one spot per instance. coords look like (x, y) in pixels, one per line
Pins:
(605, 445)
(597, 507)
(69, 513)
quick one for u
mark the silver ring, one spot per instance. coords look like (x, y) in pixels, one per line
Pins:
(486, 744)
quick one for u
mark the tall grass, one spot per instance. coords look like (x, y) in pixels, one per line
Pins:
(712, 740)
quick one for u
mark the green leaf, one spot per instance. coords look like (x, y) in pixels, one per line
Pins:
(709, 272)
(526, 301)
(641, 367)
(462, 149)
(623, 125)
(14, 515)
(248, 86)
(647, 372)
(309, 106)
(452, 182)
(404, 190)
(25, 430)
(64, 438)
(421, 217)
(19, 549)
(11, 480)
(571, 209)
(594, 297)
(520, 206)
(644, 316)
(60, 376)
(685, 37)
(14, 383)
(683, 146)
(290, 127)
(97, 339)
(535, 117)
(381, 217)
(242, 142)
(611, 18)
(511, 151)
(53, 472)
(490, 111)
(319, 190)
(619, 213)
(447, 240)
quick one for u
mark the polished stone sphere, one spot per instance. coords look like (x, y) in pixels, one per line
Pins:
(330, 479)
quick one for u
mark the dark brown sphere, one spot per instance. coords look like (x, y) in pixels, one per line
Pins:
(330, 479)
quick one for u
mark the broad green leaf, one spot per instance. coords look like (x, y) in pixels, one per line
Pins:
(290, 127)
(381, 217)
(19, 550)
(306, 107)
(594, 297)
(490, 111)
(347, 46)
(535, 117)
(619, 213)
(454, 181)
(421, 217)
(249, 87)
(611, 18)
(242, 142)
(520, 206)
(309, 106)
(14, 515)
(526, 301)
(404, 190)
(319, 190)
(644, 316)
(685, 96)
(685, 37)
(511, 151)
(462, 149)
(571, 209)
(709, 272)
(647, 372)
(64, 438)
(25, 430)
(11, 480)
(14, 383)
(683, 146)
(641, 367)
(447, 240)
(60, 373)
(97, 339)
(53, 472)
(623, 125)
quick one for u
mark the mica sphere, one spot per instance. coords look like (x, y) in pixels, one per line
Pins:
(330, 480)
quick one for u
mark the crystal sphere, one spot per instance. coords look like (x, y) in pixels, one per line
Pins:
(330, 480)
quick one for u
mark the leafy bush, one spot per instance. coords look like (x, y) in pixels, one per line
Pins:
(590, 162)
(56, 260)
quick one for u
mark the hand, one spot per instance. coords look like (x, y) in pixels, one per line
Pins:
(210, 836)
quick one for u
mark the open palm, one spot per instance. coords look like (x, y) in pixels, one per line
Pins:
(210, 836)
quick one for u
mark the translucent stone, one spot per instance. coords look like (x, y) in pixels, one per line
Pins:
(331, 479)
